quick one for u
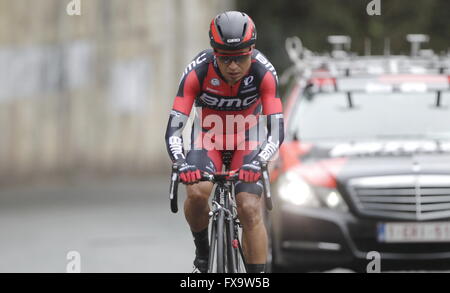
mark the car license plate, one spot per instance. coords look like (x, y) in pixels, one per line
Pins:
(413, 232)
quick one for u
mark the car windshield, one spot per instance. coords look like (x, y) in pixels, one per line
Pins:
(327, 116)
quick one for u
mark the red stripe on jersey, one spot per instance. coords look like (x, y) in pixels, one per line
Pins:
(191, 89)
(268, 91)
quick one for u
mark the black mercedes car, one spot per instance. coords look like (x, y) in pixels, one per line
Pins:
(364, 173)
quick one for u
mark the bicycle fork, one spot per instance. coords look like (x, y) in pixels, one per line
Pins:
(225, 228)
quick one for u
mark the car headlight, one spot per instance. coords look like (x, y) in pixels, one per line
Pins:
(294, 189)
(331, 198)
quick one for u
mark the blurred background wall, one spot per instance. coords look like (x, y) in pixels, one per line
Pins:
(92, 93)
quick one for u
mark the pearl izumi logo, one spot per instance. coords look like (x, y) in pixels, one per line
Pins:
(74, 8)
(248, 80)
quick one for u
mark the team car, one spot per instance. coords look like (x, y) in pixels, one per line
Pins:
(364, 172)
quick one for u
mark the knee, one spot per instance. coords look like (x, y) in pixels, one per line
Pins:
(197, 195)
(249, 211)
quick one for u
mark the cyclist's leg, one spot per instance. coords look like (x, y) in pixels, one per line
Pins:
(249, 203)
(207, 158)
(196, 205)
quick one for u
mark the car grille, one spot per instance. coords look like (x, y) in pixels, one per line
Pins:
(403, 197)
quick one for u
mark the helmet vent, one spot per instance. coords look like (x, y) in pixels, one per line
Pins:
(245, 28)
(220, 31)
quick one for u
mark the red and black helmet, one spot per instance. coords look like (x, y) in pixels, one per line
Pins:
(232, 30)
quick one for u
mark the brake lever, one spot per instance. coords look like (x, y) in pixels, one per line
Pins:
(173, 192)
(266, 185)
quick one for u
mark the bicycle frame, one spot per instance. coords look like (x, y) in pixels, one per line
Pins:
(225, 229)
(224, 224)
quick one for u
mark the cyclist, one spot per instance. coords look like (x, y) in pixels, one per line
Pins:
(230, 82)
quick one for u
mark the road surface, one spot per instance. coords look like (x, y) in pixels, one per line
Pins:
(118, 225)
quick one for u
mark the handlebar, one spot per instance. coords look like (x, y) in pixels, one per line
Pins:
(229, 176)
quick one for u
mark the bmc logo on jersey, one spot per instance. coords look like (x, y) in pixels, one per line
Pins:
(224, 103)
(267, 64)
(200, 59)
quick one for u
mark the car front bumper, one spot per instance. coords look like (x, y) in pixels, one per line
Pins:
(323, 238)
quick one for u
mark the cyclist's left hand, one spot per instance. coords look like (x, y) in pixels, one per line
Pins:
(250, 172)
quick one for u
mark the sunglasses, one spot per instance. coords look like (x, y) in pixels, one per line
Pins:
(228, 58)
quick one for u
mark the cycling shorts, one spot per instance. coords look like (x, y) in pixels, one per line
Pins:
(212, 160)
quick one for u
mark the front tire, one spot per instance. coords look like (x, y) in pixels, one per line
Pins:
(220, 242)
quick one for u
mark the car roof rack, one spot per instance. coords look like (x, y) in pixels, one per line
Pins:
(341, 62)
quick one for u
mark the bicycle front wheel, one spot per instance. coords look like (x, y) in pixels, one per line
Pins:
(220, 262)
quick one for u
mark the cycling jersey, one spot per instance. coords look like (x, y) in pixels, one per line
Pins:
(227, 116)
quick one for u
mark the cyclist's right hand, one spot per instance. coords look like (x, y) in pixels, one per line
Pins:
(189, 174)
